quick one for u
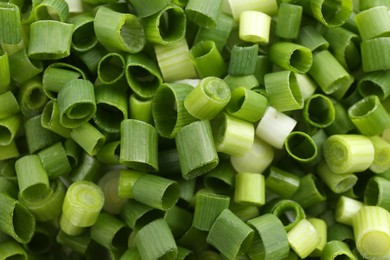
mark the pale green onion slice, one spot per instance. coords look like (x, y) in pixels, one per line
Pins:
(331, 13)
(303, 238)
(255, 27)
(377, 192)
(250, 188)
(381, 161)
(346, 209)
(373, 23)
(269, 7)
(203, 12)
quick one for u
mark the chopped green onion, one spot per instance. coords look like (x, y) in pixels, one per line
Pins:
(369, 116)
(270, 239)
(197, 152)
(11, 29)
(83, 37)
(31, 97)
(55, 161)
(127, 178)
(291, 56)
(5, 76)
(50, 40)
(158, 27)
(309, 192)
(373, 22)
(375, 83)
(249, 188)
(111, 68)
(138, 148)
(136, 214)
(12, 249)
(149, 7)
(321, 227)
(22, 68)
(377, 192)
(381, 161)
(156, 232)
(255, 27)
(203, 13)
(51, 10)
(121, 31)
(288, 21)
(79, 243)
(142, 75)
(336, 249)
(88, 137)
(221, 179)
(109, 183)
(371, 227)
(303, 238)
(9, 103)
(330, 13)
(140, 109)
(283, 91)
(301, 146)
(373, 56)
(348, 153)
(243, 60)
(338, 183)
(50, 119)
(288, 211)
(228, 225)
(247, 81)
(269, 7)
(281, 182)
(346, 209)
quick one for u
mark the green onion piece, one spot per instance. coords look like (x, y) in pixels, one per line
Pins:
(338, 183)
(143, 75)
(9, 127)
(312, 39)
(301, 146)
(79, 243)
(111, 108)
(303, 238)
(288, 211)
(111, 68)
(138, 148)
(309, 192)
(336, 249)
(373, 56)
(371, 227)
(179, 220)
(341, 124)
(82, 204)
(32, 177)
(57, 75)
(187, 189)
(38, 137)
(319, 111)
(221, 178)
(369, 116)
(243, 60)
(345, 47)
(197, 152)
(281, 182)
(330, 13)
(381, 161)
(22, 68)
(109, 183)
(73, 152)
(377, 192)
(321, 227)
(31, 97)
(208, 206)
(366, 4)
(283, 91)
(255, 27)
(140, 109)
(263, 66)
(348, 153)
(155, 191)
(207, 59)
(50, 40)
(208, 98)
(269, 7)
(83, 37)
(109, 153)
(51, 10)
(50, 119)
(219, 35)
(288, 21)
(156, 233)
(136, 215)
(374, 83)
(47, 208)
(203, 13)
(174, 61)
(5, 76)
(328, 73)
(247, 104)
(11, 29)
(184, 253)
(131, 253)
(274, 127)
(89, 138)
(9, 151)
(158, 27)
(291, 56)
(91, 58)
(88, 168)
(119, 31)
(76, 102)
(9, 105)
(256, 159)
(110, 232)
(346, 209)
(12, 250)
(55, 161)
(249, 188)
(229, 225)
(270, 239)
(149, 7)
(247, 81)
(373, 23)
(127, 178)
(8, 187)
(17, 221)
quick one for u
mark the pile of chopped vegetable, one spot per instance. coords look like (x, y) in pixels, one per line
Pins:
(195, 129)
